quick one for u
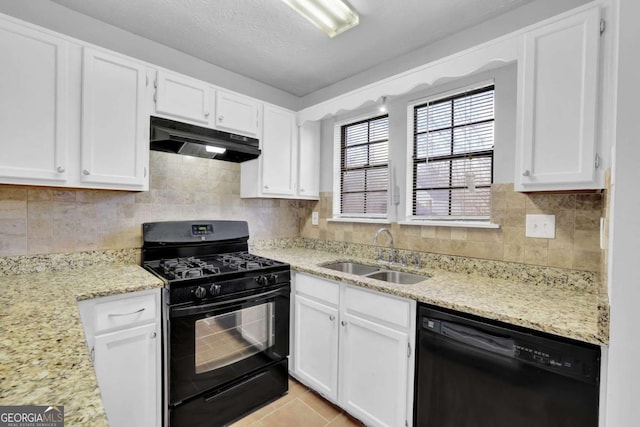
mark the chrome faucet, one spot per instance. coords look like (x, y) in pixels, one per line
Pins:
(391, 249)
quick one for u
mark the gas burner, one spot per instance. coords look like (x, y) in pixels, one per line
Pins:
(187, 268)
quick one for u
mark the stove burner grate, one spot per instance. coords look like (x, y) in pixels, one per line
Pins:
(187, 268)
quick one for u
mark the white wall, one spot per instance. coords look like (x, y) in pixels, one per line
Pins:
(55, 17)
(623, 384)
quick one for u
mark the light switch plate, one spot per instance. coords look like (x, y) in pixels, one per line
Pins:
(541, 226)
(314, 218)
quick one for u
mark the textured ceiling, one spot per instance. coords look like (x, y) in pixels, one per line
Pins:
(269, 42)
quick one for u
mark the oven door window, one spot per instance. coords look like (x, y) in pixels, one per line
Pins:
(227, 338)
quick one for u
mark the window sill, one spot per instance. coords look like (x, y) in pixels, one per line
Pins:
(361, 220)
(435, 223)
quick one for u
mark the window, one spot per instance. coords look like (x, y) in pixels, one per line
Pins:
(364, 168)
(453, 156)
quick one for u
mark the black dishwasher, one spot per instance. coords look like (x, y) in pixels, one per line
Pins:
(473, 372)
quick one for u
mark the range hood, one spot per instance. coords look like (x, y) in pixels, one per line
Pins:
(190, 140)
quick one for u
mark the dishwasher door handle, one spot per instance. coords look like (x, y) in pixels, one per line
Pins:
(472, 337)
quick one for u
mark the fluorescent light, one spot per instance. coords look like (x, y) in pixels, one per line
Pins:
(331, 16)
(214, 149)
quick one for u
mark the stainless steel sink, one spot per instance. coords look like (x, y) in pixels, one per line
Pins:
(352, 268)
(399, 277)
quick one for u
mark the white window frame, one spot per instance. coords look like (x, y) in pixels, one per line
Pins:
(412, 219)
(337, 176)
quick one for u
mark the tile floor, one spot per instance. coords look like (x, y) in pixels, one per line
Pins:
(301, 407)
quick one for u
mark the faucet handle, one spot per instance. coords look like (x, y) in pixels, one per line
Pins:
(416, 259)
(403, 259)
(379, 254)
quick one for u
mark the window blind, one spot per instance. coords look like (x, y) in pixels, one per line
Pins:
(364, 169)
(453, 156)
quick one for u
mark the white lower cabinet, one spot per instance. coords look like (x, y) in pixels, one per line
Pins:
(355, 347)
(126, 369)
(123, 333)
(316, 345)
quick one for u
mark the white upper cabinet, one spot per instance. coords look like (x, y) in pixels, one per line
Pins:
(279, 149)
(33, 106)
(557, 118)
(182, 98)
(309, 160)
(115, 121)
(289, 166)
(238, 114)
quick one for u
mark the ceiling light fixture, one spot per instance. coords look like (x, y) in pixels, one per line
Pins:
(331, 16)
(383, 104)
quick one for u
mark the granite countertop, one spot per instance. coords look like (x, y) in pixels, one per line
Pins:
(560, 310)
(43, 354)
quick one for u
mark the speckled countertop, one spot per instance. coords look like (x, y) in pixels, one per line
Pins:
(43, 353)
(561, 310)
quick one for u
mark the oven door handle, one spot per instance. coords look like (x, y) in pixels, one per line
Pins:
(187, 311)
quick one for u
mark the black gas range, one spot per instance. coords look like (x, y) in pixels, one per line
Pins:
(226, 317)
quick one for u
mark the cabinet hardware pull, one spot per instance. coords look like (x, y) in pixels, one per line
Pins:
(526, 173)
(153, 334)
(60, 169)
(206, 114)
(93, 354)
(266, 187)
(343, 323)
(332, 317)
(85, 172)
(220, 118)
(126, 314)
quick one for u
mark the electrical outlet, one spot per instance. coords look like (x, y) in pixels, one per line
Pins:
(541, 226)
(314, 218)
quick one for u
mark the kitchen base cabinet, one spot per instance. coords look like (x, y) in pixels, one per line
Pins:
(355, 347)
(126, 369)
(316, 345)
(374, 371)
(123, 334)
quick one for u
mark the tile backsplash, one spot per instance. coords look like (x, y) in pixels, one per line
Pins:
(43, 220)
(576, 244)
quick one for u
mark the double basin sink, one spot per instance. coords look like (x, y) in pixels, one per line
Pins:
(372, 272)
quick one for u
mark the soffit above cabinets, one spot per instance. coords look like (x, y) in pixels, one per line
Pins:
(267, 41)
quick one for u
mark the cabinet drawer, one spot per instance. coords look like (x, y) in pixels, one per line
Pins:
(378, 306)
(321, 289)
(125, 312)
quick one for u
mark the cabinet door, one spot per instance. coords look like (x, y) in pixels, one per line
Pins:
(179, 97)
(238, 114)
(373, 371)
(557, 118)
(309, 160)
(115, 122)
(279, 152)
(127, 369)
(33, 111)
(316, 345)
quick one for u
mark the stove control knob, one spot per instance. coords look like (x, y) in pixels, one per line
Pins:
(273, 278)
(215, 290)
(200, 292)
(262, 280)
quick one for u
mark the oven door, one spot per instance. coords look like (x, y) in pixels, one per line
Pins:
(216, 343)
